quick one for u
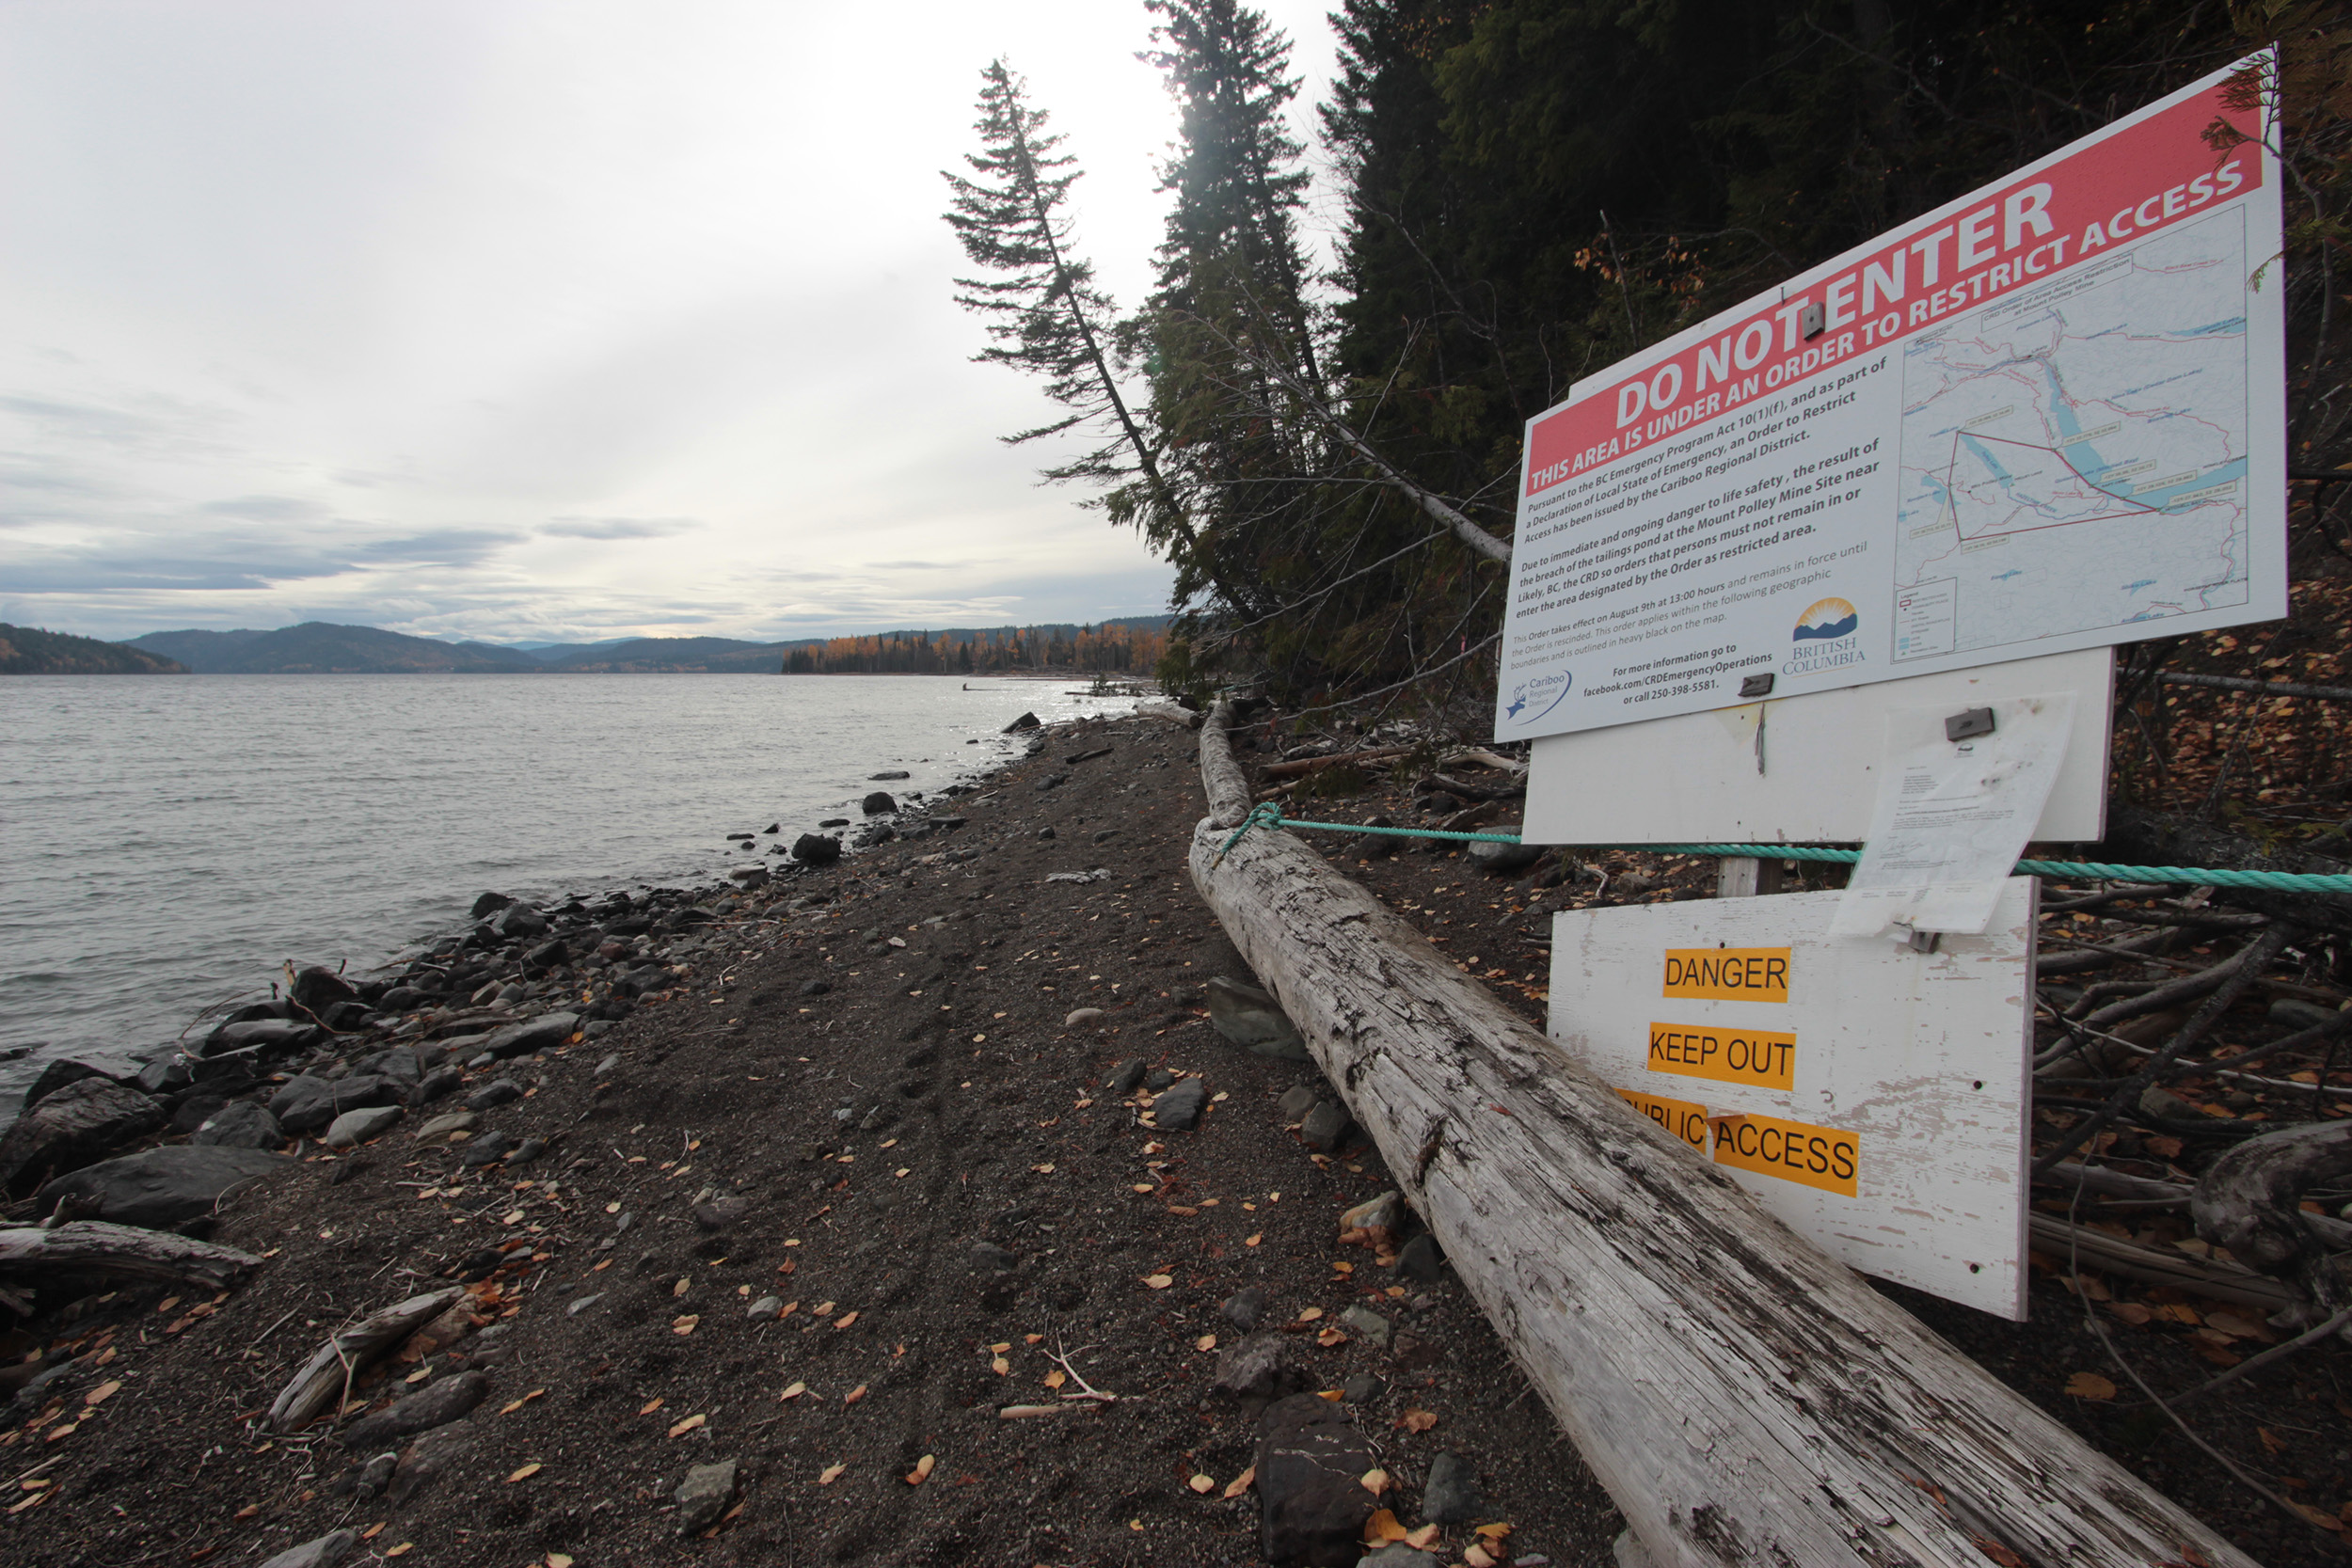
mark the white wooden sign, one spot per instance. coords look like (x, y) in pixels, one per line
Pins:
(1874, 1098)
(1800, 770)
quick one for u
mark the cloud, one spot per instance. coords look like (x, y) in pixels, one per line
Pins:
(450, 546)
(268, 508)
(617, 528)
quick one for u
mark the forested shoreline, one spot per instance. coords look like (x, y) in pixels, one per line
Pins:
(1530, 190)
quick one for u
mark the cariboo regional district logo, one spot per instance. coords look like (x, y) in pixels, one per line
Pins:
(1545, 690)
(1824, 638)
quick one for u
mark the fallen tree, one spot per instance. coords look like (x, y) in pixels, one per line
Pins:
(1744, 1398)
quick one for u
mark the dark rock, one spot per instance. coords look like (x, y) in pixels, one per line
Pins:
(1252, 1020)
(549, 955)
(157, 1188)
(1396, 1554)
(400, 1064)
(167, 1074)
(1123, 1078)
(520, 923)
(1179, 1109)
(73, 1126)
(316, 990)
(988, 1258)
(1312, 1508)
(1077, 757)
(1245, 1307)
(816, 850)
(438, 1084)
(375, 1475)
(889, 774)
(1420, 1258)
(948, 824)
(1450, 1495)
(878, 805)
(1296, 1102)
(499, 1091)
(527, 1151)
(192, 1111)
(488, 904)
(544, 1033)
(406, 999)
(436, 1405)
(439, 1451)
(325, 1552)
(1502, 860)
(816, 988)
(346, 1017)
(307, 1103)
(1362, 1388)
(1045, 833)
(239, 1124)
(488, 1149)
(1366, 1324)
(1158, 1079)
(1026, 722)
(1326, 1127)
(1261, 1367)
(1053, 780)
(354, 1128)
(703, 1496)
(61, 1071)
(264, 1035)
(720, 1212)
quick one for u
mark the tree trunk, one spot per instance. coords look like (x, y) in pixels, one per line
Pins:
(123, 1252)
(1744, 1398)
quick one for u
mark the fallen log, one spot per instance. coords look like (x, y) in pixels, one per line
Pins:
(326, 1377)
(1743, 1399)
(1303, 766)
(93, 1248)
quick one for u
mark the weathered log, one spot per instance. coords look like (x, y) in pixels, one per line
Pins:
(324, 1378)
(2210, 1278)
(93, 1248)
(1743, 1399)
(2250, 1201)
(1305, 766)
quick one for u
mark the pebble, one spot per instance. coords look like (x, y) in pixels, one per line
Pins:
(1450, 1495)
(440, 1127)
(1179, 1109)
(1245, 1307)
(1123, 1078)
(1368, 1323)
(1081, 1017)
(354, 1128)
(1296, 1104)
(1158, 1079)
(1362, 1388)
(1326, 1127)
(327, 1551)
(1379, 1213)
(576, 1309)
(605, 1067)
(703, 1496)
(488, 1149)
(2297, 1014)
(988, 1258)
(375, 1474)
(526, 1152)
(1420, 1259)
(765, 1309)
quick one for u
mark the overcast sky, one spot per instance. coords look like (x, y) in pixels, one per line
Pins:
(541, 319)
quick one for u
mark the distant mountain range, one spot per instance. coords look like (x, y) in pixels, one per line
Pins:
(30, 651)
(318, 648)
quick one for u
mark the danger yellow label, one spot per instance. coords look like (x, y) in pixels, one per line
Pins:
(1813, 1156)
(1756, 1056)
(1728, 974)
(1679, 1116)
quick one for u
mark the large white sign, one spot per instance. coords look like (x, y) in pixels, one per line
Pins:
(2049, 415)
(1872, 1096)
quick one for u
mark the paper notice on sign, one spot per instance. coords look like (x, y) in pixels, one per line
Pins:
(1952, 816)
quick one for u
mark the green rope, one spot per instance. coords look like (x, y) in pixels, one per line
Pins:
(1270, 815)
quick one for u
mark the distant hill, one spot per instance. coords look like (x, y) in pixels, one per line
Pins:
(318, 647)
(30, 651)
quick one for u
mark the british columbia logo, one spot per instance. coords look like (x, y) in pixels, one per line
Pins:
(1825, 638)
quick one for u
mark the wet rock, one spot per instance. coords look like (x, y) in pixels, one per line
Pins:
(240, 1124)
(548, 954)
(520, 923)
(1245, 1307)
(191, 1112)
(430, 1457)
(1311, 1509)
(165, 1074)
(1421, 1260)
(488, 1149)
(306, 1104)
(438, 1084)
(157, 1188)
(834, 822)
(816, 850)
(1326, 1127)
(1123, 1078)
(73, 1126)
(878, 805)
(887, 775)
(1179, 1109)
(1261, 1367)
(354, 1128)
(1026, 722)
(325, 1552)
(498, 1092)
(61, 1071)
(1450, 1496)
(1252, 1020)
(1366, 1324)
(268, 1035)
(1083, 1017)
(315, 991)
(401, 1065)
(703, 1496)
(440, 1127)
(436, 1405)
(488, 904)
(544, 1033)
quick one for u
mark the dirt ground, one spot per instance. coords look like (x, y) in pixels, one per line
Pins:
(881, 1110)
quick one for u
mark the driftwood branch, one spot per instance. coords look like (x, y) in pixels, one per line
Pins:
(2249, 1200)
(1305, 766)
(1744, 1398)
(85, 1247)
(333, 1364)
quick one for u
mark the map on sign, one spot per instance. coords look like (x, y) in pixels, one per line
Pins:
(2074, 457)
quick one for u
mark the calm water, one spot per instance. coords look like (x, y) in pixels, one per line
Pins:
(164, 842)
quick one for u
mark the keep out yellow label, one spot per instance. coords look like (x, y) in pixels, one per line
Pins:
(1728, 974)
(1756, 1056)
(1814, 1156)
(1679, 1116)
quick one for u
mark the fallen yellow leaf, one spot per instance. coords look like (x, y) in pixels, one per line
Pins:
(685, 1324)
(682, 1428)
(1253, 1241)
(1054, 1378)
(1203, 1483)
(1423, 1538)
(1374, 1481)
(1477, 1557)
(1417, 1420)
(845, 1319)
(1331, 1336)
(559, 1560)
(1144, 1187)
(999, 1366)
(1046, 1170)
(2089, 1386)
(1159, 1281)
(524, 1474)
(103, 1392)
(823, 1309)
(650, 1405)
(1382, 1528)
(1000, 1348)
(1241, 1482)
(794, 1392)
(1030, 1339)
(683, 1285)
(830, 1474)
(922, 1471)
(400, 1550)
(854, 1395)
(1308, 1315)
(1206, 1341)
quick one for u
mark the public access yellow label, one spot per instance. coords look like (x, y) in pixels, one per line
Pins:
(1819, 1157)
(1679, 1116)
(1728, 974)
(1757, 1057)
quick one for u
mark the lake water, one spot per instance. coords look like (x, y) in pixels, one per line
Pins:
(166, 841)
